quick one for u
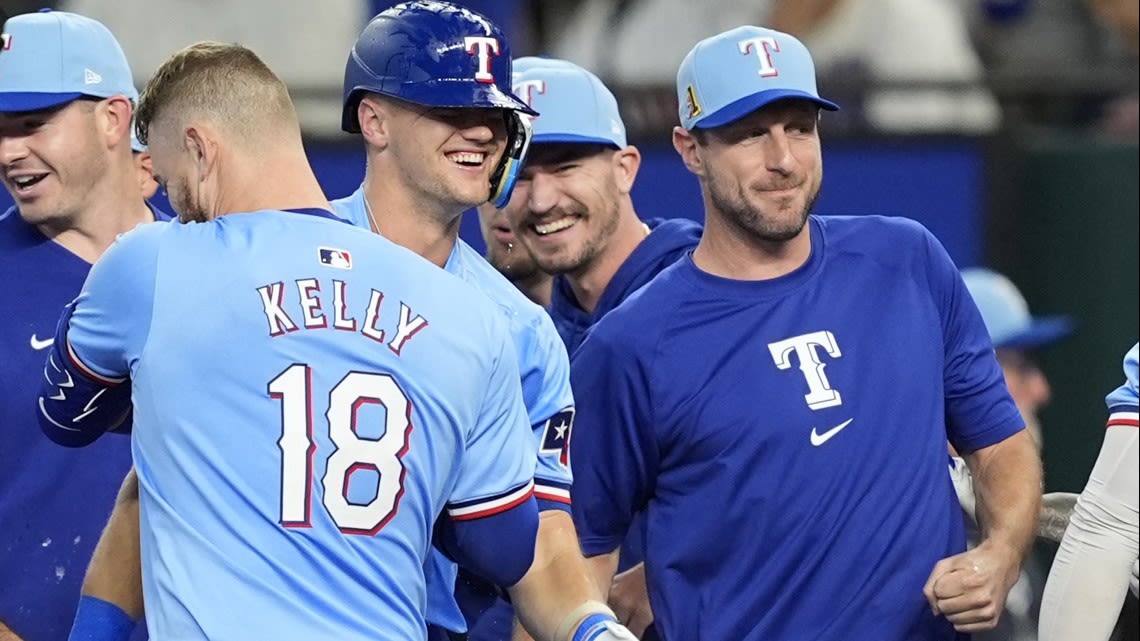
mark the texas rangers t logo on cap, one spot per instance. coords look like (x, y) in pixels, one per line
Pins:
(763, 48)
(528, 88)
(484, 47)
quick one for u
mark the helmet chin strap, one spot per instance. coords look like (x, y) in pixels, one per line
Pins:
(505, 176)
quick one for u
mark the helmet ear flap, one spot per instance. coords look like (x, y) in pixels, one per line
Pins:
(505, 176)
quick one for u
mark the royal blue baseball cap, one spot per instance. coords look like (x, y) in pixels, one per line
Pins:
(50, 58)
(573, 104)
(1006, 314)
(730, 75)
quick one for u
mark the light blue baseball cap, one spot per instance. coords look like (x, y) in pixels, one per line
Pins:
(53, 57)
(573, 104)
(1006, 314)
(730, 75)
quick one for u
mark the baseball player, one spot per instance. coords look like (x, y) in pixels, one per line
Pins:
(66, 100)
(778, 402)
(295, 449)
(427, 85)
(1091, 571)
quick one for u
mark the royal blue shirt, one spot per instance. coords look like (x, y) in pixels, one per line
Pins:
(787, 437)
(54, 501)
(668, 240)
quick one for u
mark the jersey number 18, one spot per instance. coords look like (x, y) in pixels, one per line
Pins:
(293, 387)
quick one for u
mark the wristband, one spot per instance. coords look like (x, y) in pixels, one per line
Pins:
(99, 620)
(592, 626)
(577, 616)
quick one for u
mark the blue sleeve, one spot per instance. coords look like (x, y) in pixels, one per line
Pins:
(1124, 398)
(545, 371)
(478, 544)
(979, 410)
(615, 451)
(85, 389)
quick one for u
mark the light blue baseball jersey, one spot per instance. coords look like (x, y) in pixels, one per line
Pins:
(786, 438)
(308, 399)
(545, 373)
(1122, 402)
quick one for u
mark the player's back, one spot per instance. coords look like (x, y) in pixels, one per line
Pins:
(303, 400)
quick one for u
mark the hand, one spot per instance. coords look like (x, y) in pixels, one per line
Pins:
(629, 597)
(1134, 580)
(970, 588)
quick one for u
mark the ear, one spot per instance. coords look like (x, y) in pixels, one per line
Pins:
(203, 150)
(626, 164)
(686, 146)
(115, 120)
(373, 116)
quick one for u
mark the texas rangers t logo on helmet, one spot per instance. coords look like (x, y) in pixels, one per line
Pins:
(763, 48)
(484, 47)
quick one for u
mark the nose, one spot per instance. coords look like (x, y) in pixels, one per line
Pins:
(1039, 387)
(542, 193)
(12, 148)
(778, 152)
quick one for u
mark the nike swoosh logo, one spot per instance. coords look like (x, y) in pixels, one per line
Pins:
(37, 344)
(818, 439)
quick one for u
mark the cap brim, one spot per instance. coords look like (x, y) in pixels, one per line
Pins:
(1041, 332)
(573, 138)
(736, 110)
(20, 101)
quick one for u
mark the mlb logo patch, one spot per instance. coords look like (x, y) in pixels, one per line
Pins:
(556, 437)
(332, 257)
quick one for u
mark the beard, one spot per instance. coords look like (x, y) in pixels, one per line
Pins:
(188, 208)
(572, 259)
(783, 224)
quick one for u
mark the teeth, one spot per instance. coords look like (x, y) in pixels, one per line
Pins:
(24, 181)
(467, 158)
(554, 225)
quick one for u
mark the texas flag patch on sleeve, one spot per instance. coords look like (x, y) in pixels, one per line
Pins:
(556, 437)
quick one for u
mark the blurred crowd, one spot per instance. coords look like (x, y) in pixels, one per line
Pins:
(899, 66)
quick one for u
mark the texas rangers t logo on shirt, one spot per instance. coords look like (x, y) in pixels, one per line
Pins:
(820, 394)
(484, 47)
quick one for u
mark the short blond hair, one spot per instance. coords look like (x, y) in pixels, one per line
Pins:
(227, 84)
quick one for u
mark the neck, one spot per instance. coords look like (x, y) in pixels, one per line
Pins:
(293, 185)
(116, 207)
(728, 252)
(589, 281)
(536, 287)
(396, 214)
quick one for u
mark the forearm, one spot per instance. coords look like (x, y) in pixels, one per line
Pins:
(6, 633)
(1007, 484)
(557, 582)
(115, 571)
(1089, 578)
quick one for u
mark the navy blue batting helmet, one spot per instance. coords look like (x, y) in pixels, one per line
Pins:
(430, 53)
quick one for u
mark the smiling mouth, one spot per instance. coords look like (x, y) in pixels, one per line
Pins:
(27, 182)
(545, 229)
(467, 158)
